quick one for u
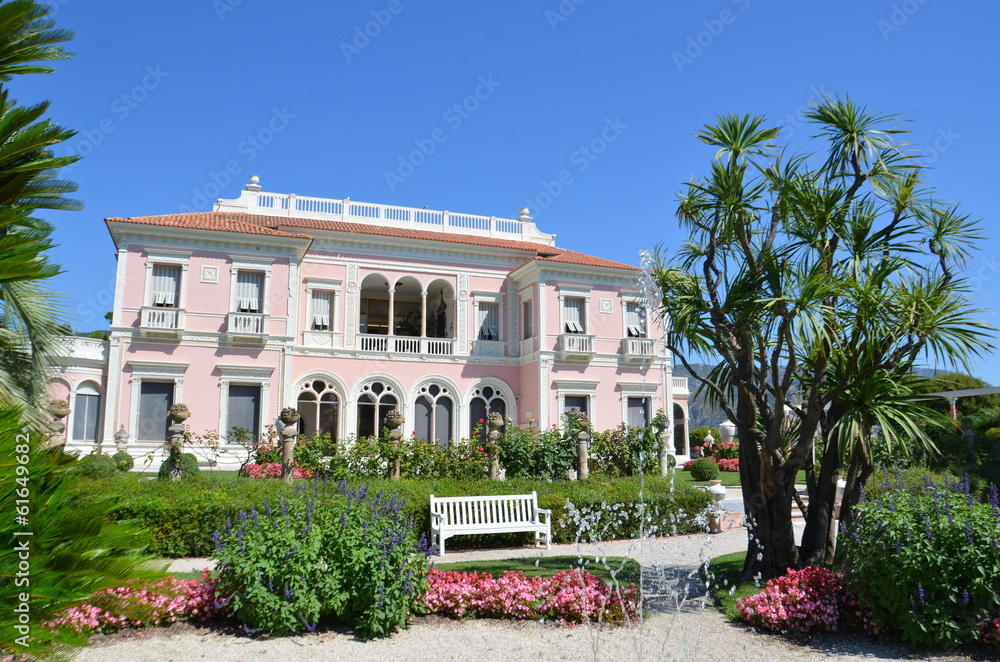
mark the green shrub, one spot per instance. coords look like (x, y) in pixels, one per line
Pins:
(697, 436)
(189, 467)
(181, 517)
(704, 468)
(98, 465)
(626, 451)
(124, 461)
(311, 558)
(926, 561)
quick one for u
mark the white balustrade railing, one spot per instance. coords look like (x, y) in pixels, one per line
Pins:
(489, 348)
(161, 318)
(247, 323)
(368, 342)
(283, 204)
(577, 343)
(680, 384)
(527, 346)
(639, 347)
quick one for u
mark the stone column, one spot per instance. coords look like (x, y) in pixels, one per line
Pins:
(394, 421)
(289, 435)
(494, 422)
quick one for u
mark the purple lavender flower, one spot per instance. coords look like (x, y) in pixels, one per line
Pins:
(289, 592)
(920, 592)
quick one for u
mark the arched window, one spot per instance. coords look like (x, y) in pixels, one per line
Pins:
(319, 408)
(484, 401)
(86, 409)
(375, 401)
(434, 411)
(680, 431)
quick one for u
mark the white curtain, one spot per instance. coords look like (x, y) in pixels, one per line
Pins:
(635, 320)
(573, 310)
(321, 306)
(489, 314)
(249, 291)
(166, 285)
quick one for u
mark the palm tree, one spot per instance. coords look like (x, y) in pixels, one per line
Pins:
(807, 278)
(29, 312)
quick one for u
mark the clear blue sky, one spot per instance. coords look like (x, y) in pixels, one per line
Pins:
(502, 97)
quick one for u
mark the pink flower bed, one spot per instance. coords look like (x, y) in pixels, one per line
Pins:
(166, 601)
(273, 470)
(800, 601)
(568, 597)
(990, 631)
(724, 465)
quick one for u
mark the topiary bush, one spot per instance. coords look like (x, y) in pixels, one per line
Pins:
(124, 461)
(98, 465)
(704, 468)
(189, 467)
(926, 562)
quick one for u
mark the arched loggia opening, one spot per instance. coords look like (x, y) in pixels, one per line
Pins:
(680, 431)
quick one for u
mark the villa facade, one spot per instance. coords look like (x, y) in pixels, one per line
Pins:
(346, 310)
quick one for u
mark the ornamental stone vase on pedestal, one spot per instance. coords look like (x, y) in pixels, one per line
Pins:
(178, 413)
(290, 418)
(58, 410)
(393, 421)
(494, 422)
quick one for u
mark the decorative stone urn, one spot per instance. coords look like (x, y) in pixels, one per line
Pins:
(394, 421)
(727, 429)
(715, 518)
(289, 416)
(58, 410)
(121, 440)
(580, 422)
(178, 413)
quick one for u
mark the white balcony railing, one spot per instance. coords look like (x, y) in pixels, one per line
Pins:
(368, 342)
(489, 348)
(680, 385)
(576, 344)
(247, 327)
(155, 321)
(638, 349)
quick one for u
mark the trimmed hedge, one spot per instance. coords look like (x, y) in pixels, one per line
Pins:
(181, 517)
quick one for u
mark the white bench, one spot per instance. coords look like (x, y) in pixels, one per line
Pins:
(505, 513)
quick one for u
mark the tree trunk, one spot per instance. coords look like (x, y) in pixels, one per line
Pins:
(817, 545)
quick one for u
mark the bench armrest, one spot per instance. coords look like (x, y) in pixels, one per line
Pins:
(544, 511)
(438, 518)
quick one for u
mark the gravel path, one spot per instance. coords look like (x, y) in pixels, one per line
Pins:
(681, 626)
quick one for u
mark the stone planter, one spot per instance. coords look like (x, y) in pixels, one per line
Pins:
(178, 413)
(289, 416)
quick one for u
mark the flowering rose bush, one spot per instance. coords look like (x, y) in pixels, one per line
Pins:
(568, 597)
(990, 632)
(273, 470)
(167, 601)
(724, 465)
(801, 601)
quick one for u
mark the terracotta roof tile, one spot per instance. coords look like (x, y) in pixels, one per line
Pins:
(208, 221)
(268, 225)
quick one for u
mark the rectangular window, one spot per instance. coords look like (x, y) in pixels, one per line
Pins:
(249, 291)
(489, 321)
(638, 412)
(578, 402)
(166, 286)
(573, 315)
(322, 307)
(85, 412)
(244, 408)
(527, 320)
(635, 320)
(155, 398)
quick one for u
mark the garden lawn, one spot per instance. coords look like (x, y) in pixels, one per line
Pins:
(726, 583)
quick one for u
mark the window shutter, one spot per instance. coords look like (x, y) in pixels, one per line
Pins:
(635, 320)
(321, 309)
(573, 310)
(166, 285)
(489, 314)
(249, 291)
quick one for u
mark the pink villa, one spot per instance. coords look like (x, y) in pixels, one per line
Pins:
(346, 310)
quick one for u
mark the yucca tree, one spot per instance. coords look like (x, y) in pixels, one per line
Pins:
(818, 282)
(29, 312)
